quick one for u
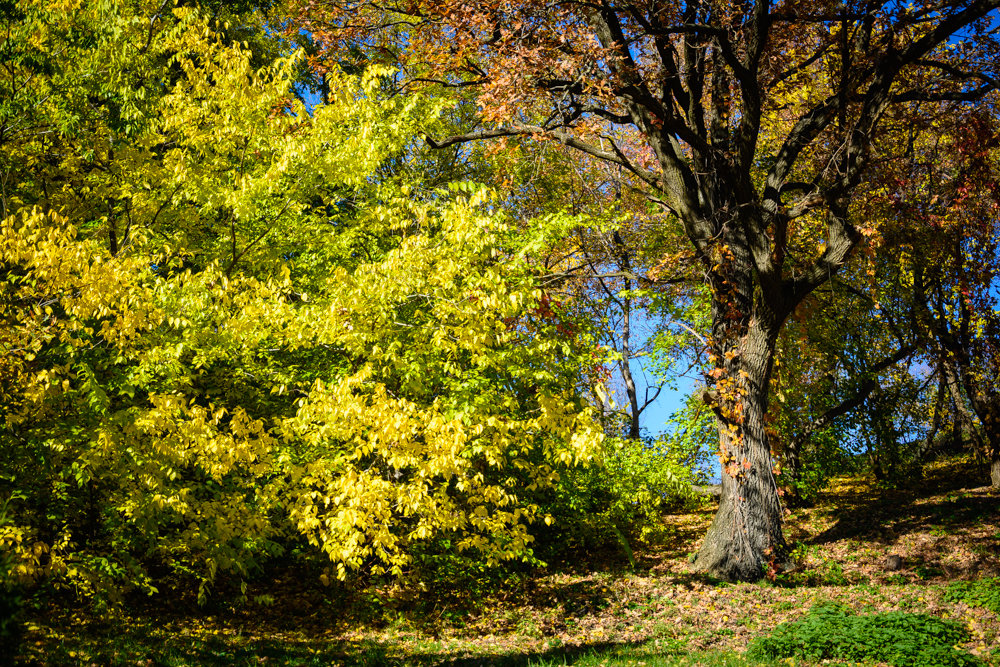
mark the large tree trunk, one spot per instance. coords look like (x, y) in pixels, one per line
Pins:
(995, 469)
(745, 537)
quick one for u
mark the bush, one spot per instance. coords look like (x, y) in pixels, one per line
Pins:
(610, 505)
(981, 593)
(830, 631)
(11, 603)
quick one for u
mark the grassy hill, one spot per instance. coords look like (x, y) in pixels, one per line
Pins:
(945, 531)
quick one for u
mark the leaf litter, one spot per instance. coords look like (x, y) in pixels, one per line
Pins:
(944, 530)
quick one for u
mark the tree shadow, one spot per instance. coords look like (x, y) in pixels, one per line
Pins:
(152, 645)
(942, 527)
(366, 653)
(564, 655)
(897, 513)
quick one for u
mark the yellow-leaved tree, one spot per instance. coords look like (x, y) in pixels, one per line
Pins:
(230, 330)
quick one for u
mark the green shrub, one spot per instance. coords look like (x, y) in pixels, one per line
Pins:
(830, 631)
(610, 505)
(11, 603)
(981, 593)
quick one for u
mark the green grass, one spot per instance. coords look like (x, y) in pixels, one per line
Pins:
(650, 658)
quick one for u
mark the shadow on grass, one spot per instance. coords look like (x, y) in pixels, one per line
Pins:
(683, 532)
(872, 513)
(895, 514)
(947, 503)
(134, 649)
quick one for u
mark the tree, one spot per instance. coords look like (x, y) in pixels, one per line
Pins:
(230, 329)
(928, 287)
(846, 344)
(599, 270)
(751, 124)
(949, 189)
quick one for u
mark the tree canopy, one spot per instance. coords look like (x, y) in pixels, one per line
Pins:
(230, 329)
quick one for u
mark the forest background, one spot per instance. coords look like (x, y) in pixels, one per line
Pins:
(364, 287)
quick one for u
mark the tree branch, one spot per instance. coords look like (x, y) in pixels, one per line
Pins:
(867, 387)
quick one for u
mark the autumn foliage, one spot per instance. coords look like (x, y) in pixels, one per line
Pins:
(349, 282)
(227, 335)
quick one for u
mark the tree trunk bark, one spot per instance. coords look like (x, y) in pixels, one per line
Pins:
(952, 373)
(745, 538)
(986, 406)
(625, 365)
(791, 470)
(991, 451)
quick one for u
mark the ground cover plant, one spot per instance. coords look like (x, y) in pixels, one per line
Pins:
(898, 638)
(982, 592)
